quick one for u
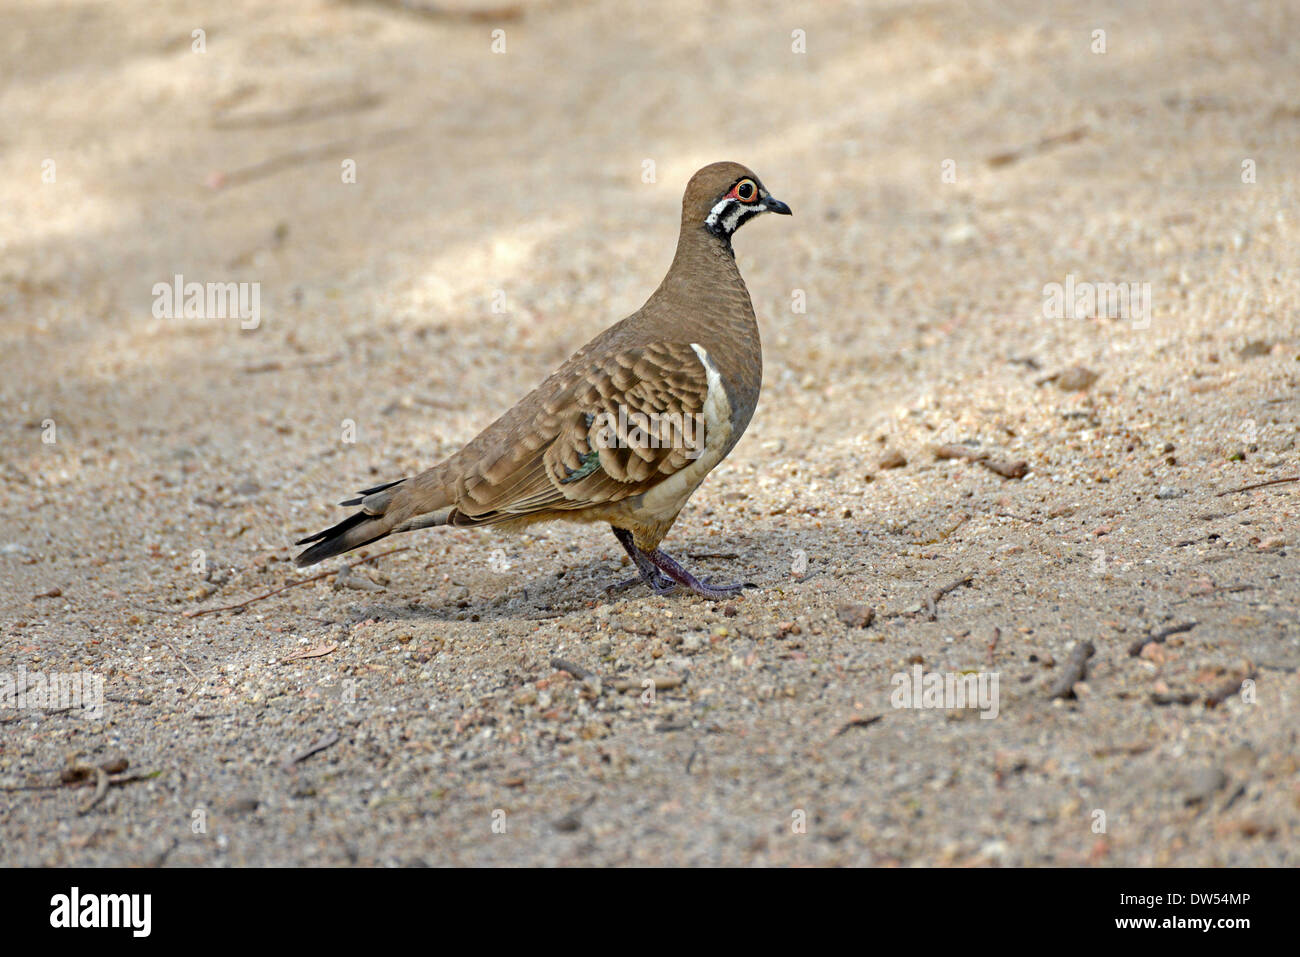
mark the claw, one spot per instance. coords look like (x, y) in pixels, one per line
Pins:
(659, 585)
(718, 592)
(662, 574)
(668, 566)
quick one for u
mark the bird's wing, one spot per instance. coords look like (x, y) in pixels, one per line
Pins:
(611, 429)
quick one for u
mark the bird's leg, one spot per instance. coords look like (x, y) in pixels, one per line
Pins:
(659, 583)
(669, 566)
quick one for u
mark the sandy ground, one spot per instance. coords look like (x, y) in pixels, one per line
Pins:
(153, 467)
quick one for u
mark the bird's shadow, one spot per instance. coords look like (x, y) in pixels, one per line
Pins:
(761, 560)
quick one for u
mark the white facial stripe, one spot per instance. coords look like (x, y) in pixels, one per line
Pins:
(734, 212)
(716, 211)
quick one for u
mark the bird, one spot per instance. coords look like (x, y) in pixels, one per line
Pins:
(627, 428)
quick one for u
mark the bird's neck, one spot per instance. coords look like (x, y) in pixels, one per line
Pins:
(704, 301)
(703, 281)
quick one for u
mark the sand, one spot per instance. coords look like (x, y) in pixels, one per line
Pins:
(946, 162)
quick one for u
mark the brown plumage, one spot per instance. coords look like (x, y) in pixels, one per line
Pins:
(628, 427)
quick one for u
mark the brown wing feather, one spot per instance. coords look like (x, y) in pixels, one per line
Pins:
(610, 430)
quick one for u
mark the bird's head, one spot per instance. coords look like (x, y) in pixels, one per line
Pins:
(724, 196)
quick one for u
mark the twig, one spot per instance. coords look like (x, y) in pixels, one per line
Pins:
(436, 403)
(1135, 649)
(1076, 669)
(942, 536)
(573, 820)
(579, 672)
(690, 761)
(106, 775)
(101, 787)
(1045, 143)
(932, 602)
(306, 112)
(1247, 488)
(993, 645)
(1211, 700)
(161, 859)
(328, 741)
(279, 365)
(857, 723)
(173, 650)
(132, 778)
(307, 154)
(276, 591)
(667, 726)
(661, 683)
(427, 8)
(1217, 590)
(79, 773)
(320, 651)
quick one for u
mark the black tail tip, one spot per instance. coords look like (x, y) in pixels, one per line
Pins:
(310, 556)
(358, 529)
(335, 540)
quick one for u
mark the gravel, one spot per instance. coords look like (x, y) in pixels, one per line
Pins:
(409, 712)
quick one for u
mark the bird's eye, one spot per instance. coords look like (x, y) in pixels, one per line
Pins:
(746, 190)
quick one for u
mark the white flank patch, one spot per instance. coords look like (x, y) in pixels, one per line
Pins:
(668, 497)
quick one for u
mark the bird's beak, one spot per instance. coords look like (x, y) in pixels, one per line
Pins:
(774, 205)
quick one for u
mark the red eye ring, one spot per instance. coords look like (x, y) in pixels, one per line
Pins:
(746, 191)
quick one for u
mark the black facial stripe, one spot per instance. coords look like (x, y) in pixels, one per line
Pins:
(718, 227)
(749, 213)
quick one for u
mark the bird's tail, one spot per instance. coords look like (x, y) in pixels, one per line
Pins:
(385, 509)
